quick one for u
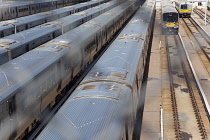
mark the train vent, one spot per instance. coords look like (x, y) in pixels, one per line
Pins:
(53, 24)
(86, 3)
(139, 21)
(10, 22)
(92, 24)
(97, 7)
(46, 13)
(89, 87)
(129, 38)
(8, 42)
(6, 5)
(81, 13)
(112, 88)
(111, 14)
(63, 43)
(117, 74)
(51, 47)
(70, 7)
(96, 74)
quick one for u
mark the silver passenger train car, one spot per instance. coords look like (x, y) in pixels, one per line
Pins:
(104, 105)
(31, 83)
(22, 42)
(19, 24)
(15, 9)
(184, 8)
(169, 18)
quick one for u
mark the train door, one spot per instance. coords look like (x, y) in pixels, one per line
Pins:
(59, 76)
(12, 117)
(5, 13)
(13, 12)
(1, 13)
(5, 120)
(99, 40)
(27, 48)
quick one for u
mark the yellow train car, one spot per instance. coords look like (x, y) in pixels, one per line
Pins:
(184, 9)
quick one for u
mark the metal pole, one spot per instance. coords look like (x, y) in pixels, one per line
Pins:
(161, 124)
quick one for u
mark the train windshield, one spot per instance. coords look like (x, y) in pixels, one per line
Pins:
(170, 17)
(184, 6)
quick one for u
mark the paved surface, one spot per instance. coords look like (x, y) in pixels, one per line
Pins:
(151, 115)
(201, 21)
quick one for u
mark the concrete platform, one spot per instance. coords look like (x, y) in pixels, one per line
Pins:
(151, 115)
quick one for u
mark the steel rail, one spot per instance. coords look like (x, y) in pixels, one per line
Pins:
(203, 96)
(172, 88)
(193, 99)
(207, 56)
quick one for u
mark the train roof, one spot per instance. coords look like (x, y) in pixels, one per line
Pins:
(34, 17)
(78, 118)
(19, 71)
(49, 26)
(94, 109)
(116, 63)
(169, 9)
(182, 2)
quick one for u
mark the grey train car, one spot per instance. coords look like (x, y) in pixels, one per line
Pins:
(22, 42)
(104, 105)
(19, 24)
(15, 9)
(169, 19)
(184, 8)
(31, 83)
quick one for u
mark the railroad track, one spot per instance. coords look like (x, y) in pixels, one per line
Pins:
(199, 35)
(201, 13)
(186, 99)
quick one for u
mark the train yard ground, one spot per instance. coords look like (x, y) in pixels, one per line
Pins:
(175, 96)
(177, 93)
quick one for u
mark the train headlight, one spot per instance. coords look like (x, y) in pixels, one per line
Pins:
(164, 25)
(176, 25)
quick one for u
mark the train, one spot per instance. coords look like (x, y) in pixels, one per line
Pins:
(32, 83)
(15, 9)
(169, 18)
(184, 9)
(22, 42)
(9, 27)
(104, 105)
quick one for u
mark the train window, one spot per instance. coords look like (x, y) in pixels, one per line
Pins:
(42, 88)
(170, 17)
(1, 108)
(53, 79)
(184, 6)
(49, 82)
